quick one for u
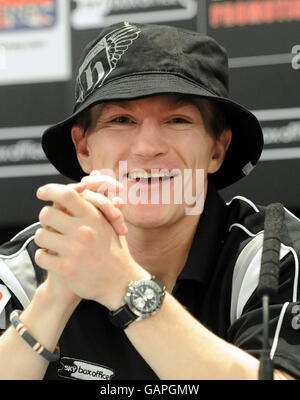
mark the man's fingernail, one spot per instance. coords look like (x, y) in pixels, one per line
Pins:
(124, 229)
(116, 212)
(41, 190)
(80, 186)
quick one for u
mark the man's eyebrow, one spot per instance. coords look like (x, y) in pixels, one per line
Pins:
(105, 105)
(178, 101)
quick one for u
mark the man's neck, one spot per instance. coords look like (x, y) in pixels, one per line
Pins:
(163, 251)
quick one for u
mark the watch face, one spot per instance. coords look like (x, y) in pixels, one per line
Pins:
(145, 296)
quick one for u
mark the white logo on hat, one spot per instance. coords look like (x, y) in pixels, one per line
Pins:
(93, 71)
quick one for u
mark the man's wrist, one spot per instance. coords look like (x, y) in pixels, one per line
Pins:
(143, 299)
(59, 302)
(47, 315)
(117, 296)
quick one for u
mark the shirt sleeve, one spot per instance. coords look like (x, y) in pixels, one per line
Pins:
(8, 303)
(18, 275)
(246, 331)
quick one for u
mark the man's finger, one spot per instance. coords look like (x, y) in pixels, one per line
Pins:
(49, 240)
(79, 187)
(108, 209)
(49, 261)
(66, 197)
(118, 202)
(56, 219)
(104, 184)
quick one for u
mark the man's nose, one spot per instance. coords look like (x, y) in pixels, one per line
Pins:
(149, 140)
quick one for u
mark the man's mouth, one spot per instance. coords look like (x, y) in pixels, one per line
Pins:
(149, 177)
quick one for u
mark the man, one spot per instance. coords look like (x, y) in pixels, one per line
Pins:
(155, 98)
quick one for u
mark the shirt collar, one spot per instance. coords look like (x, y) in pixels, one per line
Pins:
(207, 240)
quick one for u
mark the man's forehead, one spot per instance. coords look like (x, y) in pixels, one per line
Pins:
(169, 100)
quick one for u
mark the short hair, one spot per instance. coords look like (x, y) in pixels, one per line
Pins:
(214, 117)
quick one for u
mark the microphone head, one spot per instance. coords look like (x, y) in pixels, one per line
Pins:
(274, 218)
(270, 260)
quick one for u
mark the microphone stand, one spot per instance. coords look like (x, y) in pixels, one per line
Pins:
(268, 280)
(266, 368)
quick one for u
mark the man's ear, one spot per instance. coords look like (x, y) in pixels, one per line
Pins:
(220, 148)
(80, 142)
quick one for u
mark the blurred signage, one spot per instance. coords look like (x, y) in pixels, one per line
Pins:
(98, 13)
(21, 153)
(35, 38)
(259, 26)
(242, 13)
(27, 14)
(262, 40)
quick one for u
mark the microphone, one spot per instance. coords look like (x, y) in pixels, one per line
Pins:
(269, 278)
(270, 259)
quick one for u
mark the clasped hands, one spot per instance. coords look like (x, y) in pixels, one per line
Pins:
(81, 240)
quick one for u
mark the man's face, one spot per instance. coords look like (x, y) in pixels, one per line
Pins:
(159, 134)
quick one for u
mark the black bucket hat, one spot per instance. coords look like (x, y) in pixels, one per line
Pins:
(130, 61)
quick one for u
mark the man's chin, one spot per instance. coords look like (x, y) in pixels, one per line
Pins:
(151, 215)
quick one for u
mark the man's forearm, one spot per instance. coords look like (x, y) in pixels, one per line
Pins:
(45, 318)
(177, 346)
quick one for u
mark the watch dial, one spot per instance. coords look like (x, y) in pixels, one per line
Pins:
(145, 299)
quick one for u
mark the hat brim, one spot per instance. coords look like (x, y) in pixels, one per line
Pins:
(247, 138)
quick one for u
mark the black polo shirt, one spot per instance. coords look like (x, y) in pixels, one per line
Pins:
(217, 286)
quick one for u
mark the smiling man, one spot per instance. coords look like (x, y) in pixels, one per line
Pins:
(139, 270)
(161, 138)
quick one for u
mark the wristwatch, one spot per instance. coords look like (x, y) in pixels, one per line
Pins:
(144, 298)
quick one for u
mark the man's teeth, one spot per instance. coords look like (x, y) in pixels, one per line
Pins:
(148, 175)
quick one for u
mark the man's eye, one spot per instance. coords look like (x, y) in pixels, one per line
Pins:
(122, 120)
(179, 120)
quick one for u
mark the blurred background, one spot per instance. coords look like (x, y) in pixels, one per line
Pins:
(40, 45)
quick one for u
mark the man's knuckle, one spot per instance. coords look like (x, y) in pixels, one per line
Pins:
(44, 214)
(39, 236)
(38, 257)
(86, 233)
(107, 208)
(103, 199)
(63, 266)
(67, 195)
(115, 215)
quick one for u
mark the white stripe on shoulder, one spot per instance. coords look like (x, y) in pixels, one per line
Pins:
(246, 274)
(285, 305)
(13, 284)
(22, 268)
(24, 230)
(255, 207)
(3, 319)
(251, 278)
(246, 201)
(291, 214)
(19, 251)
(18, 273)
(277, 331)
(296, 276)
(240, 268)
(244, 229)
